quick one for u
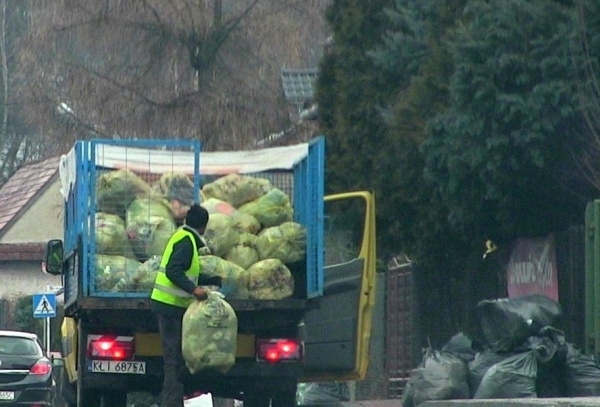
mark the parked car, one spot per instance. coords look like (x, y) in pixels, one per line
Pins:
(25, 370)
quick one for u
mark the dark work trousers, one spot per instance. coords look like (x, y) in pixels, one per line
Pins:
(174, 365)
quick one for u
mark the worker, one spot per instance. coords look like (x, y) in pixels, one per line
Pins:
(178, 282)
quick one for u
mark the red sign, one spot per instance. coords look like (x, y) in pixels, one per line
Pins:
(532, 268)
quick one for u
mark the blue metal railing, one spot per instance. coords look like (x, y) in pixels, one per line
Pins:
(308, 203)
(81, 208)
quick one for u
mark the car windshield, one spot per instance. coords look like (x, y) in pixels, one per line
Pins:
(10, 345)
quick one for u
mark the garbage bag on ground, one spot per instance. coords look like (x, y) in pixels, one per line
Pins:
(144, 277)
(324, 392)
(270, 279)
(513, 377)
(582, 374)
(479, 366)
(237, 189)
(244, 253)
(461, 346)
(111, 236)
(209, 335)
(508, 322)
(219, 234)
(286, 242)
(178, 190)
(245, 223)
(407, 399)
(440, 376)
(545, 348)
(214, 205)
(115, 273)
(149, 227)
(115, 190)
(235, 278)
(271, 209)
(550, 347)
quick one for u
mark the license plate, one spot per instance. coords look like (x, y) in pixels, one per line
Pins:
(7, 395)
(115, 366)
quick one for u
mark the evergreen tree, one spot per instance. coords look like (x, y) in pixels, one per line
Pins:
(587, 41)
(24, 320)
(351, 92)
(501, 155)
(414, 50)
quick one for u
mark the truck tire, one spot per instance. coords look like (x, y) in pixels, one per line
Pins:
(90, 398)
(284, 399)
(256, 399)
(68, 392)
(114, 398)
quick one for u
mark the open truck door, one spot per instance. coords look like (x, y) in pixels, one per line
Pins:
(337, 328)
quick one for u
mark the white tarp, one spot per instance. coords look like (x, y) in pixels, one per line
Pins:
(160, 161)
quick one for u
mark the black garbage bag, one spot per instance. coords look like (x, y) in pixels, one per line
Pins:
(582, 374)
(325, 392)
(479, 366)
(440, 376)
(461, 346)
(548, 345)
(544, 347)
(407, 396)
(508, 322)
(513, 377)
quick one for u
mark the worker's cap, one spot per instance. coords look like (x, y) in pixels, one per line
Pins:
(197, 217)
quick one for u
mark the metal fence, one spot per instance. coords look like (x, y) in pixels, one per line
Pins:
(399, 325)
(570, 259)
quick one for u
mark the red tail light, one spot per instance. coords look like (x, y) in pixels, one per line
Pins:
(275, 350)
(110, 347)
(41, 367)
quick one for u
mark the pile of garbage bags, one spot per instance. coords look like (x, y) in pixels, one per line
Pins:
(523, 356)
(251, 238)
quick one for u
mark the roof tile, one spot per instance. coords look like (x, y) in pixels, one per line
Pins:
(22, 251)
(16, 193)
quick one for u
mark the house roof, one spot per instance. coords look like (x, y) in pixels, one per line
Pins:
(22, 251)
(18, 193)
(298, 84)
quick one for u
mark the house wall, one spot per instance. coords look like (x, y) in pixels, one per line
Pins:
(43, 221)
(20, 278)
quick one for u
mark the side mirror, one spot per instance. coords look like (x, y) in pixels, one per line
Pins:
(57, 361)
(54, 257)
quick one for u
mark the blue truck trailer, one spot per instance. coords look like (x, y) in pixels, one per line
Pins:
(110, 339)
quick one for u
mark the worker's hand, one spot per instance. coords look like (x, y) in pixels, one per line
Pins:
(200, 293)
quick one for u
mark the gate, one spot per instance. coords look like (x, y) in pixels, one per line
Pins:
(399, 325)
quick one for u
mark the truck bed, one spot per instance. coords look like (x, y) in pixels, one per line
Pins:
(136, 313)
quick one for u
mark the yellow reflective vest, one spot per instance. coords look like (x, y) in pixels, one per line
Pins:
(164, 290)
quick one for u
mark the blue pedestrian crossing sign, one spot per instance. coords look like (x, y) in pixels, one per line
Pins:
(44, 305)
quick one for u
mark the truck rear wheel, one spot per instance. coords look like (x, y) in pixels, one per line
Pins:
(113, 398)
(68, 392)
(89, 398)
(256, 399)
(284, 399)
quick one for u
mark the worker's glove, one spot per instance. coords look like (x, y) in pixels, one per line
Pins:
(200, 293)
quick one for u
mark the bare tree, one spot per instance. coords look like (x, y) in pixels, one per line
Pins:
(17, 143)
(206, 69)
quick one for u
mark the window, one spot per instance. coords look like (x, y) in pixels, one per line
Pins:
(344, 230)
(10, 345)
